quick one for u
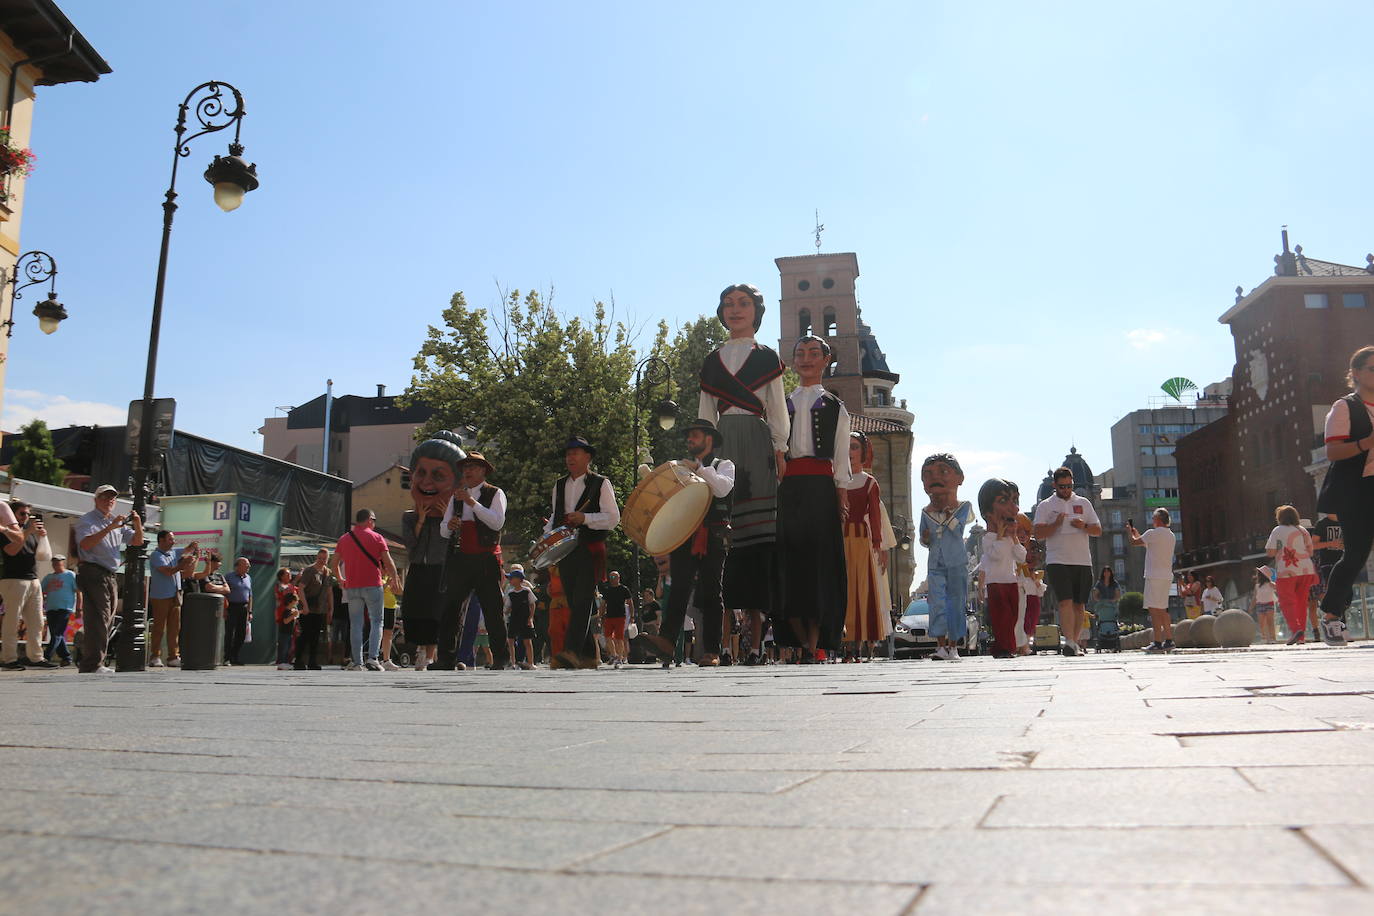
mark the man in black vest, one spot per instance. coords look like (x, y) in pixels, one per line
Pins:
(474, 561)
(698, 562)
(586, 502)
(812, 508)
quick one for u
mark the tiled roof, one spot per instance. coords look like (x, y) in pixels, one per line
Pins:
(863, 424)
(1311, 267)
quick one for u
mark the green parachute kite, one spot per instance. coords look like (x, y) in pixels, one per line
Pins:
(1175, 387)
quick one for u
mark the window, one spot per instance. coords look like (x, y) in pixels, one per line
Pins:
(803, 321)
(1162, 493)
(1159, 472)
(830, 323)
(1118, 544)
(1156, 450)
(1116, 518)
(1314, 300)
(1119, 567)
(803, 285)
(1352, 300)
(828, 283)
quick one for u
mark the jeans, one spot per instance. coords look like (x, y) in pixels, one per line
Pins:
(284, 633)
(362, 600)
(57, 635)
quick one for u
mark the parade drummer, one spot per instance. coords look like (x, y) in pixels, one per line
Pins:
(742, 393)
(585, 502)
(811, 509)
(698, 562)
(475, 516)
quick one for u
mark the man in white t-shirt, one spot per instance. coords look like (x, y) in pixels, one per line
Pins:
(1065, 522)
(1159, 575)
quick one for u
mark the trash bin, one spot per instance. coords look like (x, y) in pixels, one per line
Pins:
(202, 631)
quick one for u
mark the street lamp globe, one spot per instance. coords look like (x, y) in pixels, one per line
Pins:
(232, 178)
(50, 313)
(667, 414)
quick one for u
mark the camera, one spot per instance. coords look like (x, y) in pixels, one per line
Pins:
(36, 517)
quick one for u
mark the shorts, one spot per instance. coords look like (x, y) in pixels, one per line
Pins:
(519, 629)
(1070, 583)
(388, 618)
(1264, 607)
(1157, 594)
(613, 627)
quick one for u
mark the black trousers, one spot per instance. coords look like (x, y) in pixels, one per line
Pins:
(468, 573)
(308, 644)
(578, 572)
(705, 574)
(235, 628)
(1357, 533)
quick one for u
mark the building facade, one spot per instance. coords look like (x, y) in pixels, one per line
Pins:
(819, 297)
(367, 435)
(39, 46)
(1293, 336)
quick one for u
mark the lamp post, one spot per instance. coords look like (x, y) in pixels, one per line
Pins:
(901, 530)
(36, 266)
(651, 372)
(214, 106)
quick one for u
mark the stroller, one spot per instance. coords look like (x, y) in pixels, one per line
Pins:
(1108, 626)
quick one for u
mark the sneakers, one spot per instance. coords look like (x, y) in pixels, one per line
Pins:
(1155, 648)
(353, 666)
(66, 662)
(373, 665)
(526, 666)
(285, 666)
(156, 663)
(174, 662)
(104, 669)
(939, 655)
(389, 665)
(1168, 645)
(47, 664)
(952, 653)
(15, 665)
(1333, 632)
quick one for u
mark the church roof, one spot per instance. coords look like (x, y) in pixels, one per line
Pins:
(871, 356)
(1082, 477)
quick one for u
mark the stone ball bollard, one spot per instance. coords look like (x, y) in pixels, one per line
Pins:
(1203, 632)
(1235, 628)
(1183, 635)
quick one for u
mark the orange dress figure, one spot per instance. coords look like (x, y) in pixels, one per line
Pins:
(866, 615)
(559, 612)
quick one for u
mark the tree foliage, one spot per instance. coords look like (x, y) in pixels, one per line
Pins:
(1131, 608)
(34, 458)
(528, 379)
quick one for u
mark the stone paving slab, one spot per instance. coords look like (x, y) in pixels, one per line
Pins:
(1214, 782)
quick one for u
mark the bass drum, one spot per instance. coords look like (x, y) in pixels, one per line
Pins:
(666, 508)
(553, 547)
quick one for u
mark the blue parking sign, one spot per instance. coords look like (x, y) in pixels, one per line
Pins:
(244, 511)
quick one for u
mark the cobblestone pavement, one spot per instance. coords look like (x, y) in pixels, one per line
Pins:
(1224, 782)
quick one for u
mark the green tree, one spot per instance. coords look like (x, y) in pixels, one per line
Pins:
(34, 458)
(527, 379)
(1131, 608)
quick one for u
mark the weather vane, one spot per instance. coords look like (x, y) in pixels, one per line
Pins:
(819, 229)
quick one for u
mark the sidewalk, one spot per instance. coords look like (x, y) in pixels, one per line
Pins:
(1235, 782)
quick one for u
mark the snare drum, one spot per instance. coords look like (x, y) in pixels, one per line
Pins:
(553, 547)
(666, 508)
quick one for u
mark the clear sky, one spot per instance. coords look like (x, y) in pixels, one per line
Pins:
(1051, 203)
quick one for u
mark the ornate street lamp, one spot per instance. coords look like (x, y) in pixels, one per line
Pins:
(651, 372)
(215, 106)
(36, 266)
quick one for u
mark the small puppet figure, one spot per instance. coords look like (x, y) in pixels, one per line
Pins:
(1002, 551)
(942, 532)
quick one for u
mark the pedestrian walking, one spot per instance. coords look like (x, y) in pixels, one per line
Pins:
(1348, 490)
(1066, 521)
(61, 599)
(1291, 547)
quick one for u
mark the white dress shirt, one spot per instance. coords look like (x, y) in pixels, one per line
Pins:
(733, 353)
(801, 445)
(607, 516)
(493, 517)
(721, 478)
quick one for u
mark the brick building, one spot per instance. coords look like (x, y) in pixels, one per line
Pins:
(1293, 336)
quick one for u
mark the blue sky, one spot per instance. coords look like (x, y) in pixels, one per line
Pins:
(1051, 203)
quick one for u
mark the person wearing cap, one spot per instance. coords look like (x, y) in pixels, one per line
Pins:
(434, 473)
(1159, 575)
(586, 502)
(742, 393)
(472, 523)
(519, 607)
(699, 561)
(100, 537)
(61, 599)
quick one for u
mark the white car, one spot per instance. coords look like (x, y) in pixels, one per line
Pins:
(911, 637)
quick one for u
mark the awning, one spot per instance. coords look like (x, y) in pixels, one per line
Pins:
(62, 501)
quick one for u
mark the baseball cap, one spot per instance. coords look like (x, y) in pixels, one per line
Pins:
(105, 488)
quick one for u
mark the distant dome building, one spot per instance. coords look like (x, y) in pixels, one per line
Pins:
(1083, 483)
